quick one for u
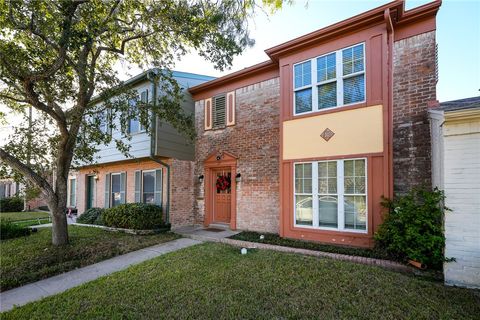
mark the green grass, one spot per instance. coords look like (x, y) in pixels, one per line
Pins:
(19, 216)
(213, 281)
(271, 238)
(28, 259)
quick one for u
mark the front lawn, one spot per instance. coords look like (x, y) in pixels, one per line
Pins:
(32, 258)
(213, 281)
(22, 216)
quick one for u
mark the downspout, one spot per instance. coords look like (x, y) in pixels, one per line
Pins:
(152, 76)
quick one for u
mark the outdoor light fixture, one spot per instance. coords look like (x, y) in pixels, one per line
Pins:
(200, 178)
(238, 177)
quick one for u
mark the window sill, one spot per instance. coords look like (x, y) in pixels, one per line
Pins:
(330, 230)
(346, 107)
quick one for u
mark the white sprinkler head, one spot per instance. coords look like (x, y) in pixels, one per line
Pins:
(262, 237)
(243, 250)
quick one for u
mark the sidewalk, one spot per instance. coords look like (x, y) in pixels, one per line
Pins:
(47, 287)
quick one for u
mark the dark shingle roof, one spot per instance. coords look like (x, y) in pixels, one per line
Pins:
(468, 103)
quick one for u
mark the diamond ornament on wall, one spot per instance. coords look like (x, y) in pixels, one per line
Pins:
(327, 134)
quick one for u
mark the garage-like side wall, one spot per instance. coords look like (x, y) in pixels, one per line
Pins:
(461, 156)
(254, 139)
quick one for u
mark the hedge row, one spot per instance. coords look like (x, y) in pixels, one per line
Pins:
(12, 204)
(138, 216)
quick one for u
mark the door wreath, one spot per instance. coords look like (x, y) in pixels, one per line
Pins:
(223, 183)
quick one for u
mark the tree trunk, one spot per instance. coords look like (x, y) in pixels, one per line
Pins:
(59, 226)
(58, 204)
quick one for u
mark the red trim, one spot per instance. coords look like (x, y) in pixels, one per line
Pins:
(260, 72)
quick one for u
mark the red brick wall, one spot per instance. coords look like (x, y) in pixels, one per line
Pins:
(182, 193)
(254, 139)
(414, 85)
(181, 210)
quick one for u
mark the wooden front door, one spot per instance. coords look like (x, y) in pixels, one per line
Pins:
(222, 190)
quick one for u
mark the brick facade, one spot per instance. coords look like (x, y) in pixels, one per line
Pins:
(182, 193)
(414, 85)
(254, 139)
(181, 208)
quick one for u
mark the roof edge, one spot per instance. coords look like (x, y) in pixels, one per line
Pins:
(376, 15)
(249, 71)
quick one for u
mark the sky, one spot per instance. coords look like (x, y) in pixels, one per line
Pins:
(458, 38)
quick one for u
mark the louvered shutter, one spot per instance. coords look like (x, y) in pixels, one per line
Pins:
(123, 184)
(231, 108)
(219, 111)
(208, 114)
(158, 187)
(107, 191)
(138, 185)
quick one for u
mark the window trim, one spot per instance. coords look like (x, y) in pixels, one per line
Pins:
(141, 184)
(340, 195)
(338, 79)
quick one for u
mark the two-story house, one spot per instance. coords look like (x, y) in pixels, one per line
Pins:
(160, 169)
(307, 143)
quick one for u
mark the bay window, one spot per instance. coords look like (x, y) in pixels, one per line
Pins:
(331, 80)
(331, 195)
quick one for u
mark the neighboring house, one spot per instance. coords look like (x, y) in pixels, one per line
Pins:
(161, 170)
(456, 170)
(307, 143)
(9, 188)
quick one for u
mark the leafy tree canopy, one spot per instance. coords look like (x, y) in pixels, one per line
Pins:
(56, 55)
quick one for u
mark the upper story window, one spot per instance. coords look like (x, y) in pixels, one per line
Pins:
(331, 80)
(220, 111)
(104, 119)
(134, 125)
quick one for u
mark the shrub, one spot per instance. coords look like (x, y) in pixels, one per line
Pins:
(12, 204)
(9, 230)
(413, 227)
(91, 216)
(138, 216)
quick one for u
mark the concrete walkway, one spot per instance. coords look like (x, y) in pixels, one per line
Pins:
(57, 284)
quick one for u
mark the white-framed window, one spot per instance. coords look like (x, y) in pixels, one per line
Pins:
(104, 118)
(331, 195)
(332, 80)
(148, 186)
(134, 124)
(116, 187)
(72, 192)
